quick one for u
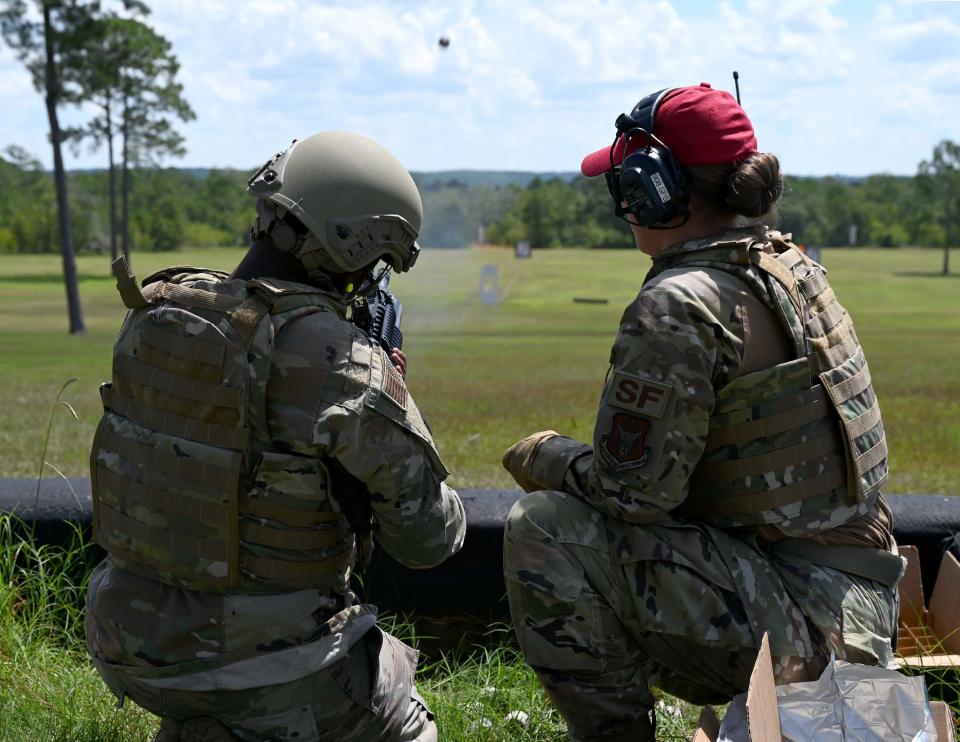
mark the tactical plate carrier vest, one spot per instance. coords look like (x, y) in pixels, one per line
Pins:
(188, 488)
(801, 444)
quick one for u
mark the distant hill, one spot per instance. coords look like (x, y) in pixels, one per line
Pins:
(425, 180)
(430, 180)
(491, 178)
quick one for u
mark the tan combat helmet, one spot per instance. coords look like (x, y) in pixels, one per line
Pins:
(358, 203)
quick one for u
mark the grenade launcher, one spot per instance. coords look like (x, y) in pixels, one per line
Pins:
(378, 314)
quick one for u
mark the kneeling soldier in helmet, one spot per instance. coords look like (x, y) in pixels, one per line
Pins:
(252, 440)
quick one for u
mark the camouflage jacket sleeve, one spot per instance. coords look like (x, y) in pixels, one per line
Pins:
(337, 395)
(679, 341)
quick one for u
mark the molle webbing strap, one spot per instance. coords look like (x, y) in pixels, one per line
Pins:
(153, 568)
(186, 408)
(196, 298)
(190, 546)
(246, 318)
(205, 372)
(821, 302)
(745, 432)
(175, 385)
(300, 540)
(832, 354)
(202, 351)
(864, 423)
(828, 327)
(165, 274)
(782, 274)
(127, 285)
(705, 490)
(865, 429)
(840, 334)
(260, 508)
(791, 258)
(823, 322)
(822, 445)
(157, 458)
(866, 461)
(730, 407)
(221, 436)
(115, 487)
(873, 564)
(813, 284)
(265, 568)
(853, 386)
(758, 502)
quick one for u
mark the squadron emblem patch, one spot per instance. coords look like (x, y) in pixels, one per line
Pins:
(625, 446)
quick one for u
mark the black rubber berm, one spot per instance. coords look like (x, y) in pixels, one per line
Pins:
(471, 582)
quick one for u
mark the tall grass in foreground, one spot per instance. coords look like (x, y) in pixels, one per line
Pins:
(48, 688)
(50, 691)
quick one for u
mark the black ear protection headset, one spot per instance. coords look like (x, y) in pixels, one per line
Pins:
(650, 179)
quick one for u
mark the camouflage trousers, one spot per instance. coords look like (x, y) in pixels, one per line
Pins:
(366, 697)
(605, 609)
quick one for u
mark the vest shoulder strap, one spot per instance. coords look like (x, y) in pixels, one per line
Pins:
(133, 297)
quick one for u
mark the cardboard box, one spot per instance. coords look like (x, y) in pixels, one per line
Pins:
(763, 715)
(943, 718)
(929, 636)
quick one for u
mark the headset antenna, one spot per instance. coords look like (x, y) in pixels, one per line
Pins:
(736, 82)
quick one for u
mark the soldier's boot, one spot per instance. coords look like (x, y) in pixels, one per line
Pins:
(205, 729)
(169, 731)
(200, 729)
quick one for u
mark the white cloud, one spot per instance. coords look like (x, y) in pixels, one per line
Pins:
(792, 42)
(922, 40)
(535, 85)
(15, 81)
(358, 35)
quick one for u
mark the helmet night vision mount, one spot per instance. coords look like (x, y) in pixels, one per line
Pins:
(649, 184)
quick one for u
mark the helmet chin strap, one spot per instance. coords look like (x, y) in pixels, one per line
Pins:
(686, 218)
(370, 282)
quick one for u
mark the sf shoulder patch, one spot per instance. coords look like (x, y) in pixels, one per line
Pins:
(638, 394)
(394, 387)
(624, 446)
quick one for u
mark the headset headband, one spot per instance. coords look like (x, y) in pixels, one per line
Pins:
(643, 114)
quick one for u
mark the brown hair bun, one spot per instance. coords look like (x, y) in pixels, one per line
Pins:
(750, 187)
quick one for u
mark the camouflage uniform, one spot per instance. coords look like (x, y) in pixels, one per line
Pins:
(269, 662)
(638, 563)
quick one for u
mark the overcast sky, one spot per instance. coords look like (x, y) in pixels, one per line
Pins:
(847, 87)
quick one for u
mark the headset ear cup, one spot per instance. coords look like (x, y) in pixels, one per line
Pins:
(653, 186)
(285, 237)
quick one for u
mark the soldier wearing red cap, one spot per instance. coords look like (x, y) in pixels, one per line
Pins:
(733, 484)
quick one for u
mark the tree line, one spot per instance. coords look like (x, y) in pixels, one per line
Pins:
(172, 208)
(878, 210)
(88, 52)
(104, 54)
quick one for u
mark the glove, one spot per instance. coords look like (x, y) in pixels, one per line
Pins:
(518, 459)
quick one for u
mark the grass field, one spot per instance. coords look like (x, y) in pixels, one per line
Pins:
(484, 376)
(487, 375)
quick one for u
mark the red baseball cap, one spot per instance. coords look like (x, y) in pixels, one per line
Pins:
(700, 125)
